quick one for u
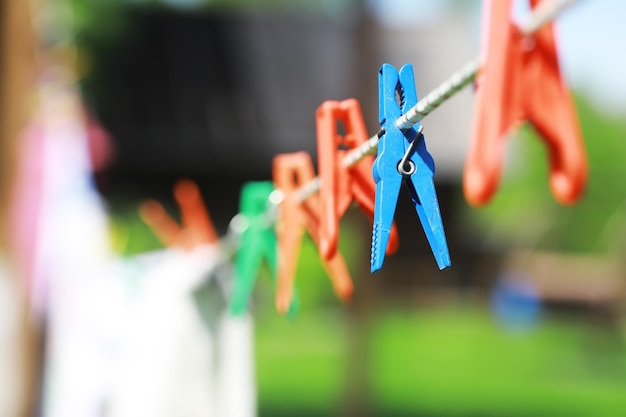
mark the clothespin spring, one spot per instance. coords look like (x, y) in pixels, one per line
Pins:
(406, 167)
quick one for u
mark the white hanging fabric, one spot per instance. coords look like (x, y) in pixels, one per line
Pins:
(147, 336)
(183, 355)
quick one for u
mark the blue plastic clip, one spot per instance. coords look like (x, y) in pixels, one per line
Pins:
(402, 157)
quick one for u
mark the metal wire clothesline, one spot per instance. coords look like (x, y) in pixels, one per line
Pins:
(542, 14)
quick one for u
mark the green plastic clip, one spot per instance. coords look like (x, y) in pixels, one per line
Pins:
(256, 243)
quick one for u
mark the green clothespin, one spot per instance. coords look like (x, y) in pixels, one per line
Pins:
(256, 243)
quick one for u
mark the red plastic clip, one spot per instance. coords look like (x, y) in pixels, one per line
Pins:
(197, 226)
(520, 80)
(341, 185)
(294, 217)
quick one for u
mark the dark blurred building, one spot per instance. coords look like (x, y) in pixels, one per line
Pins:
(212, 93)
(215, 96)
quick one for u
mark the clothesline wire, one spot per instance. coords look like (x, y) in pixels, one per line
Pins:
(542, 14)
(545, 12)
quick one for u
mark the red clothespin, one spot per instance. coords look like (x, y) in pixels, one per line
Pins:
(341, 185)
(291, 171)
(197, 227)
(520, 80)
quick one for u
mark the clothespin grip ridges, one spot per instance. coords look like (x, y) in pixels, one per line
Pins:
(396, 96)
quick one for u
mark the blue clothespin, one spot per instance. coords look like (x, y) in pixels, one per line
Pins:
(402, 157)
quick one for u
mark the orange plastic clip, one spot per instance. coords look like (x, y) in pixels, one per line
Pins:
(197, 226)
(520, 80)
(341, 185)
(294, 217)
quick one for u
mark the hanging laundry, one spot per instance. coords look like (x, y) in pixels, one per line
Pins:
(403, 158)
(294, 217)
(519, 81)
(340, 185)
(62, 241)
(184, 355)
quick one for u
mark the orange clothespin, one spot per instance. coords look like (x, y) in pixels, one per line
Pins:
(290, 171)
(520, 80)
(341, 185)
(197, 227)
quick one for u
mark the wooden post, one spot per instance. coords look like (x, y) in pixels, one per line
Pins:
(18, 379)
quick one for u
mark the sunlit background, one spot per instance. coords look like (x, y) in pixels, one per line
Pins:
(134, 95)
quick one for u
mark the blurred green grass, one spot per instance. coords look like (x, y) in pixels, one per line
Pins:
(300, 363)
(453, 361)
(444, 362)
